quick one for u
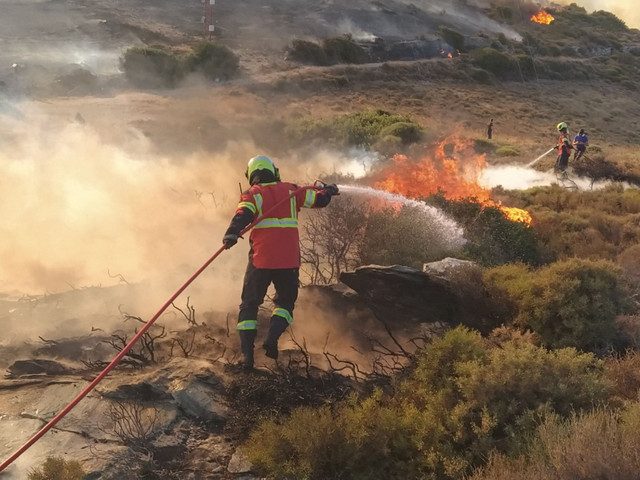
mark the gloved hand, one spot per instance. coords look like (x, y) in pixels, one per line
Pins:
(229, 240)
(332, 189)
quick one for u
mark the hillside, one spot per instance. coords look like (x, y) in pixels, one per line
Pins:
(117, 187)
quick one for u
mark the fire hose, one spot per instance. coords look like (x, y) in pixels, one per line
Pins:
(139, 335)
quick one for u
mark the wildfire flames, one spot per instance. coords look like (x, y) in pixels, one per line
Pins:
(453, 170)
(542, 17)
(445, 54)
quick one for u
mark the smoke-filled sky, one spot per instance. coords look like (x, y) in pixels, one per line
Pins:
(626, 10)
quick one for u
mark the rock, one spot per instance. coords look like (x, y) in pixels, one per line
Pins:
(199, 400)
(449, 291)
(447, 266)
(36, 367)
(141, 392)
(167, 448)
(403, 293)
(239, 463)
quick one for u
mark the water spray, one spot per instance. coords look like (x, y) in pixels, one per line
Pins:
(531, 164)
(447, 227)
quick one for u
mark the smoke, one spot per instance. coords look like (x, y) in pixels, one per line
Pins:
(86, 204)
(518, 177)
(626, 10)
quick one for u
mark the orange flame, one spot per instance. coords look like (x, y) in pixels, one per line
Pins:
(453, 170)
(445, 54)
(542, 17)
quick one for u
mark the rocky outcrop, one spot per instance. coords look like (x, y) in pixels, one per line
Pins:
(449, 291)
(22, 368)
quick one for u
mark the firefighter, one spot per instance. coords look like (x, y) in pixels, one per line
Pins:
(274, 255)
(580, 142)
(564, 147)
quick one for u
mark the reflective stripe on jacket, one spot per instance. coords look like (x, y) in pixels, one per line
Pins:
(274, 240)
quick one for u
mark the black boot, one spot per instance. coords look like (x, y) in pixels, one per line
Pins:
(277, 327)
(247, 337)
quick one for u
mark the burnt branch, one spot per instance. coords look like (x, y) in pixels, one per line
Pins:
(186, 345)
(189, 315)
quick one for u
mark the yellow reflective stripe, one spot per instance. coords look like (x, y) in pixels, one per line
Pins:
(247, 205)
(284, 313)
(247, 325)
(309, 199)
(258, 199)
(292, 203)
(277, 223)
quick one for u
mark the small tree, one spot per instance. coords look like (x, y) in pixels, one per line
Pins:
(152, 67)
(215, 62)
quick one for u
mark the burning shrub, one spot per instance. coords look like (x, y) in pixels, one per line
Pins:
(57, 468)
(492, 239)
(152, 67)
(215, 62)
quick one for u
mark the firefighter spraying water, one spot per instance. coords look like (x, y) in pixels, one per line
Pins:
(274, 255)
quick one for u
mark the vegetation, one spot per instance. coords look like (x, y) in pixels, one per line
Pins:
(331, 51)
(152, 67)
(57, 468)
(215, 62)
(568, 303)
(464, 400)
(362, 129)
(158, 67)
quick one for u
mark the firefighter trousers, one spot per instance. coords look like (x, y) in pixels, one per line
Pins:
(256, 283)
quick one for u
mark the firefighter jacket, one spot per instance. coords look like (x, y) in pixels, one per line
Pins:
(274, 240)
(564, 144)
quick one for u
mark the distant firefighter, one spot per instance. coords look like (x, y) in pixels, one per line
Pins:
(490, 129)
(564, 147)
(580, 142)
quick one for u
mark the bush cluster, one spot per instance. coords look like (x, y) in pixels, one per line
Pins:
(363, 129)
(158, 67)
(568, 303)
(464, 400)
(329, 52)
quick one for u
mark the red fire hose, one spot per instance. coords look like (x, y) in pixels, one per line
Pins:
(137, 337)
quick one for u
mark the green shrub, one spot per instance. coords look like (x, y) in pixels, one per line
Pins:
(152, 67)
(492, 239)
(463, 400)
(592, 446)
(344, 50)
(452, 37)
(362, 129)
(215, 62)
(571, 303)
(508, 151)
(407, 132)
(304, 51)
(57, 468)
(492, 60)
(404, 237)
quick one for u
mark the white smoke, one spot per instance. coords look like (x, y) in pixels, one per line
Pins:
(626, 10)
